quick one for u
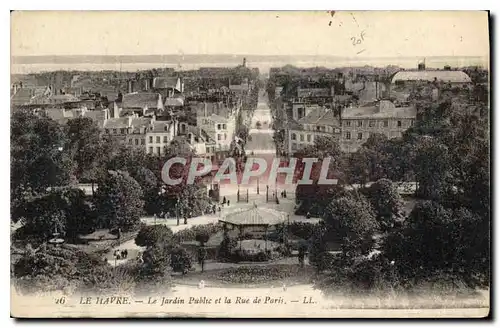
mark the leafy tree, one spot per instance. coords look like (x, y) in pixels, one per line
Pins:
(39, 153)
(119, 201)
(151, 190)
(131, 160)
(436, 240)
(315, 197)
(64, 210)
(318, 252)
(152, 235)
(86, 146)
(351, 217)
(367, 164)
(386, 203)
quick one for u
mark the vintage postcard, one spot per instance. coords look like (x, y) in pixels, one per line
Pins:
(322, 164)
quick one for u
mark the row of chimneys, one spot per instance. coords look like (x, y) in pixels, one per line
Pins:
(147, 85)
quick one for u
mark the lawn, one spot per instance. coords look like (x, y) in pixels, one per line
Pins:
(252, 276)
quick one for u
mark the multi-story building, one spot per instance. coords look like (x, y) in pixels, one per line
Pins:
(219, 122)
(201, 143)
(159, 135)
(355, 126)
(319, 121)
(383, 117)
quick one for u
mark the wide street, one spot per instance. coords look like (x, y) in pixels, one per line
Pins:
(261, 132)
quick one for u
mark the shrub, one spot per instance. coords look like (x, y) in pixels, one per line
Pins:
(180, 260)
(202, 237)
(226, 247)
(190, 233)
(156, 260)
(303, 230)
(151, 235)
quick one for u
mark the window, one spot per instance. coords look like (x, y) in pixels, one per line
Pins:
(165, 139)
(219, 137)
(114, 131)
(224, 126)
(207, 150)
(130, 141)
(158, 150)
(386, 123)
(399, 124)
(371, 124)
(347, 123)
(136, 142)
(143, 141)
(107, 131)
(360, 136)
(225, 136)
(122, 131)
(308, 138)
(150, 139)
(301, 137)
(294, 136)
(360, 123)
(150, 150)
(412, 122)
(218, 126)
(294, 146)
(348, 135)
(158, 139)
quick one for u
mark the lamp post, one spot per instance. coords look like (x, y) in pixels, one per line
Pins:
(177, 210)
(257, 186)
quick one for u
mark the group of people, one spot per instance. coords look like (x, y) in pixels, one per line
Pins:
(120, 254)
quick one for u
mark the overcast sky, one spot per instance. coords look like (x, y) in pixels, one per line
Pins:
(386, 34)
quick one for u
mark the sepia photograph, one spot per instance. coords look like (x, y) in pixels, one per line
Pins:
(250, 164)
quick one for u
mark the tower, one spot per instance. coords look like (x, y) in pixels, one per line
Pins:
(244, 62)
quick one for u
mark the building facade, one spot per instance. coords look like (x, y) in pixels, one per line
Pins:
(353, 128)
(384, 118)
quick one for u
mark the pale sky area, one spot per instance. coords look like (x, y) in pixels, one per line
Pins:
(386, 34)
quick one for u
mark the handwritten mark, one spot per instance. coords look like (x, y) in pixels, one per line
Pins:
(358, 41)
(354, 18)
